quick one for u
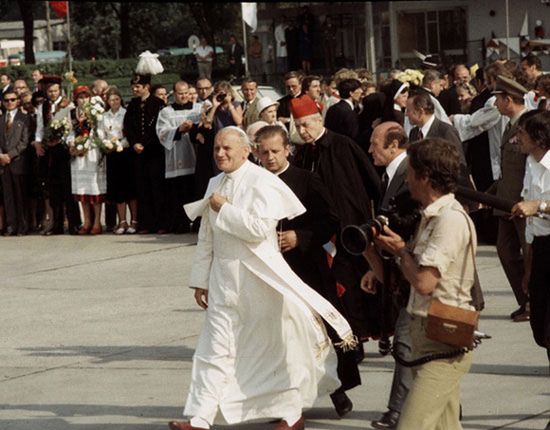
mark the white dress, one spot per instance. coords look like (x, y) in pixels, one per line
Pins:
(260, 354)
(89, 172)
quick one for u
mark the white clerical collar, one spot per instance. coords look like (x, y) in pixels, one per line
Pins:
(394, 165)
(283, 170)
(237, 174)
(426, 127)
(397, 107)
(349, 102)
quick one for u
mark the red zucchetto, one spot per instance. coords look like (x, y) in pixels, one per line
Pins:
(303, 106)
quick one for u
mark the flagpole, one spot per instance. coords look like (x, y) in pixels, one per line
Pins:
(69, 38)
(245, 46)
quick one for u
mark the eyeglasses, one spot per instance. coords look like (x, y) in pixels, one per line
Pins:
(203, 88)
(10, 100)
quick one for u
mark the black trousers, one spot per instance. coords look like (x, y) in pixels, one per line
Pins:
(539, 291)
(151, 192)
(59, 189)
(180, 190)
(15, 200)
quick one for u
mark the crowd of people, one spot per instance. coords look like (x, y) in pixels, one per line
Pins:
(345, 147)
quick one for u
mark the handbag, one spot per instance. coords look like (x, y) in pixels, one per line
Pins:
(452, 325)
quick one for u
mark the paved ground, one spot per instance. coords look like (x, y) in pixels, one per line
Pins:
(98, 334)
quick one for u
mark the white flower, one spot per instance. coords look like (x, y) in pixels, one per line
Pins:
(119, 148)
(79, 147)
(99, 117)
(87, 144)
(109, 145)
(93, 111)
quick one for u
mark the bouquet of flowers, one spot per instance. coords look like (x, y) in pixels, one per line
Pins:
(110, 145)
(82, 145)
(57, 130)
(413, 77)
(94, 111)
(70, 77)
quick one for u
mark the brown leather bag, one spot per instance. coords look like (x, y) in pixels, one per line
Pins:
(451, 325)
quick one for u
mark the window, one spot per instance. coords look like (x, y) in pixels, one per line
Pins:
(432, 32)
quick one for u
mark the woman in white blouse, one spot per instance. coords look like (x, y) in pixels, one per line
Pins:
(121, 184)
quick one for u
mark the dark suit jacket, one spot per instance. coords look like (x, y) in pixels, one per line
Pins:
(449, 101)
(443, 131)
(140, 125)
(15, 141)
(342, 119)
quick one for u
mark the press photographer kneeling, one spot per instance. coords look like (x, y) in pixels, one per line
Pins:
(439, 264)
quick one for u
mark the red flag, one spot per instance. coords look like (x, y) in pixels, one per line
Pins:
(60, 8)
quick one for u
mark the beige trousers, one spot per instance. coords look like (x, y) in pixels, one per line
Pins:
(433, 403)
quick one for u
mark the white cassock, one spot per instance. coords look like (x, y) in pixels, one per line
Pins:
(263, 351)
(180, 156)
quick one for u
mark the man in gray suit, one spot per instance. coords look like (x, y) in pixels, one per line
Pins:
(511, 232)
(14, 139)
(389, 149)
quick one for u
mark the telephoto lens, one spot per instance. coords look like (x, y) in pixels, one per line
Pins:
(356, 238)
(221, 97)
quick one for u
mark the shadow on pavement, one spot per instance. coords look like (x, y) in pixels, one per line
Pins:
(111, 354)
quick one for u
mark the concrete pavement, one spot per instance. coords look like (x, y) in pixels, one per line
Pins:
(98, 334)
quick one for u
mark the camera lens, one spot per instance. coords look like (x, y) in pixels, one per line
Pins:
(221, 97)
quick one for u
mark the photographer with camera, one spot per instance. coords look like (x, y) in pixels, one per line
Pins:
(221, 111)
(439, 264)
(388, 148)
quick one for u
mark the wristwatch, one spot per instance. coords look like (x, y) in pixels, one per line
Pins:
(542, 207)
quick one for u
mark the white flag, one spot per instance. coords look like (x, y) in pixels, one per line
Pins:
(249, 15)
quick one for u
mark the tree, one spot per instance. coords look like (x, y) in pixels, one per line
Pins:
(26, 8)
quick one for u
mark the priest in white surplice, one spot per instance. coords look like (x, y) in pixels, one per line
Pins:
(263, 352)
(174, 124)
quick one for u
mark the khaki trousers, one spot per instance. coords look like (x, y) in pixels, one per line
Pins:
(433, 402)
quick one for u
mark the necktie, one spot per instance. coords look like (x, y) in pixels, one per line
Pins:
(420, 134)
(384, 182)
(9, 121)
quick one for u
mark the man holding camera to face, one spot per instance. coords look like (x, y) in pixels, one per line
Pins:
(439, 265)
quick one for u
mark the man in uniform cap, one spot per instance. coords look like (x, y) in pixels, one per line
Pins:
(511, 245)
(140, 130)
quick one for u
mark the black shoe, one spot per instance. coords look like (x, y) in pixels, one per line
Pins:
(517, 312)
(342, 403)
(387, 421)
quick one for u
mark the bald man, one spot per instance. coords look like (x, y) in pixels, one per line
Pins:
(388, 148)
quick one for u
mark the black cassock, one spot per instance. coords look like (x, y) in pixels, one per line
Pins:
(309, 260)
(354, 187)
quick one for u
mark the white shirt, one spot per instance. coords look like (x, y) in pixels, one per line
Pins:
(203, 51)
(349, 102)
(392, 167)
(536, 186)
(113, 124)
(280, 51)
(39, 134)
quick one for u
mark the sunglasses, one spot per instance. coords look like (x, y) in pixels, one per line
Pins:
(10, 100)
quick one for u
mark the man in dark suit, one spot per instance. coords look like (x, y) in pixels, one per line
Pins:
(301, 240)
(235, 56)
(293, 85)
(353, 185)
(449, 97)
(341, 118)
(388, 147)
(511, 245)
(14, 139)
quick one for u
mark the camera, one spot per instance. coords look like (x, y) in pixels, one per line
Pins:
(355, 239)
(221, 97)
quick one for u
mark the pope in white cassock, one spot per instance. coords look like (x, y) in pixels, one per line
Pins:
(263, 352)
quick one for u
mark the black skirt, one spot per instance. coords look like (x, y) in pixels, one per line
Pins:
(121, 177)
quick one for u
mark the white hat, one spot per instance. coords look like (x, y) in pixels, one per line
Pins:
(264, 103)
